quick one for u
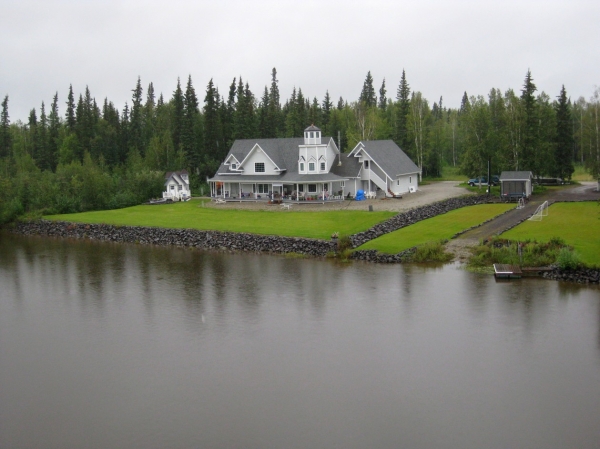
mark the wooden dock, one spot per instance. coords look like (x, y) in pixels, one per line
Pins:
(505, 271)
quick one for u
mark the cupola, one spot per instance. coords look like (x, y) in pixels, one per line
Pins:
(312, 135)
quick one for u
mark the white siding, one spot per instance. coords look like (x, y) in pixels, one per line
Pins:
(259, 156)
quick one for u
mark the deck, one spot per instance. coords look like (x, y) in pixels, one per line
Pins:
(505, 271)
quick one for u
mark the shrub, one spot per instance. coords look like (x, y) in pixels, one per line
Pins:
(567, 259)
(431, 252)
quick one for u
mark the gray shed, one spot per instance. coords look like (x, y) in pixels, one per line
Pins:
(515, 184)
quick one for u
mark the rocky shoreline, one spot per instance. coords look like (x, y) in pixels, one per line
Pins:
(244, 242)
(231, 241)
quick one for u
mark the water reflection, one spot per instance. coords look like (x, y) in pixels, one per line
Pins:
(140, 346)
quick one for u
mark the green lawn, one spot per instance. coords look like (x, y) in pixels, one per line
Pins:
(191, 215)
(436, 228)
(578, 224)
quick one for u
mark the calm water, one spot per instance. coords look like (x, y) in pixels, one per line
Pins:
(124, 346)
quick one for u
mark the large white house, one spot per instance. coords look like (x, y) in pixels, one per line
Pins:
(312, 167)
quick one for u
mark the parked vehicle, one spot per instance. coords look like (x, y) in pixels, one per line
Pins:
(495, 180)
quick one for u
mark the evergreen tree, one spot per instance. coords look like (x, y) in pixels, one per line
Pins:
(528, 157)
(5, 141)
(265, 129)
(177, 120)
(227, 116)
(124, 135)
(341, 104)
(275, 116)
(563, 163)
(44, 159)
(53, 132)
(326, 108)
(403, 109)
(136, 119)
(212, 125)
(70, 114)
(149, 116)
(382, 97)
(367, 94)
(315, 113)
(32, 147)
(189, 134)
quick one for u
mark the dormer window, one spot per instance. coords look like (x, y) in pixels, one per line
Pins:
(259, 167)
(322, 166)
(311, 166)
(366, 165)
(234, 166)
(301, 166)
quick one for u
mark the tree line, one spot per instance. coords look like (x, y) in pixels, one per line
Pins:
(80, 155)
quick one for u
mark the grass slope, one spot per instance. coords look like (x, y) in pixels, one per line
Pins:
(436, 228)
(190, 215)
(578, 224)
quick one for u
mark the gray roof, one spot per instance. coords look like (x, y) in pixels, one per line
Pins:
(284, 153)
(515, 175)
(390, 157)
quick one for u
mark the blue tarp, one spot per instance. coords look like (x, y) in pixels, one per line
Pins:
(360, 195)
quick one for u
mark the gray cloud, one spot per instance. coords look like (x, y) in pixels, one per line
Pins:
(446, 47)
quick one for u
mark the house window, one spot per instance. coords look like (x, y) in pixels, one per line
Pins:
(311, 166)
(410, 179)
(172, 187)
(399, 181)
(300, 187)
(233, 166)
(312, 135)
(179, 187)
(259, 167)
(342, 184)
(312, 188)
(263, 188)
(366, 165)
(301, 166)
(322, 166)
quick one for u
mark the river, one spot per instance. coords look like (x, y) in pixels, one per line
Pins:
(128, 346)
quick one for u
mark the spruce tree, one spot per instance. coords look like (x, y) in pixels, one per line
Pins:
(265, 128)
(275, 116)
(367, 94)
(528, 159)
(212, 125)
(124, 135)
(5, 140)
(403, 109)
(315, 113)
(149, 116)
(382, 97)
(44, 159)
(53, 132)
(70, 114)
(563, 163)
(326, 108)
(136, 118)
(189, 140)
(32, 148)
(177, 121)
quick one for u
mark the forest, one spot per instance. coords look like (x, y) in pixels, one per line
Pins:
(78, 155)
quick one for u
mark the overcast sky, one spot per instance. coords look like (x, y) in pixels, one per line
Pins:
(447, 47)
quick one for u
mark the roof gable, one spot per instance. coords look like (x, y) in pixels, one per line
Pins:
(387, 155)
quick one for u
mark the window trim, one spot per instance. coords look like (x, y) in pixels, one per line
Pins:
(257, 166)
(312, 188)
(323, 166)
(311, 166)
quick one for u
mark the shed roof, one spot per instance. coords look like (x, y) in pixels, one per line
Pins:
(516, 176)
